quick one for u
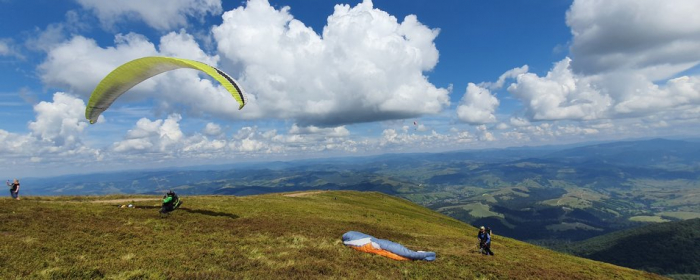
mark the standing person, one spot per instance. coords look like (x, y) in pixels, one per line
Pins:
(487, 242)
(481, 236)
(14, 188)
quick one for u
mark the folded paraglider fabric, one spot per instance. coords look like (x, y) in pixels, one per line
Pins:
(367, 243)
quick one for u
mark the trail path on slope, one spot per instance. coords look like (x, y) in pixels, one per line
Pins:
(124, 200)
(302, 193)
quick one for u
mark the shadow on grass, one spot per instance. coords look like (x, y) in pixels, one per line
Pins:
(195, 211)
(210, 213)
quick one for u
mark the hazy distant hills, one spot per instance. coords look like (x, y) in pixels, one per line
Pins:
(665, 248)
(540, 194)
(651, 153)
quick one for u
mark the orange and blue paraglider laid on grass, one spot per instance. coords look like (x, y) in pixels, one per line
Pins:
(369, 244)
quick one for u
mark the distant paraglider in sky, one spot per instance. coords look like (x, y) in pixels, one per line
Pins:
(136, 71)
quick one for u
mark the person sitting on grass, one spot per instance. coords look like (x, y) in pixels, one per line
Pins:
(170, 202)
(14, 188)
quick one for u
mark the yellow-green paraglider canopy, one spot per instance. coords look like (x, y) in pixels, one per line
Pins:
(136, 71)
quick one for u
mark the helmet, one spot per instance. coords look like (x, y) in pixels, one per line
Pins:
(482, 227)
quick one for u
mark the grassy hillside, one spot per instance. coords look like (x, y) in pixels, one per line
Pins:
(667, 248)
(268, 236)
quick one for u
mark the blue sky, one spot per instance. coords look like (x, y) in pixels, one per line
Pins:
(337, 78)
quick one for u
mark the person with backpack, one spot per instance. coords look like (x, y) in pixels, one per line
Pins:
(480, 238)
(487, 242)
(14, 188)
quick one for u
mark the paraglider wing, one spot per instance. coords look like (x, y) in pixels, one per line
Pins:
(136, 71)
(369, 244)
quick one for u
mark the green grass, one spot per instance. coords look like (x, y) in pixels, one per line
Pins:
(648, 219)
(571, 226)
(260, 237)
(477, 210)
(680, 215)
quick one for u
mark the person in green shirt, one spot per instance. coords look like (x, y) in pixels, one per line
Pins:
(170, 202)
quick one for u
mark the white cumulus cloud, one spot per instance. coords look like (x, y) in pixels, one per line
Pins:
(159, 14)
(212, 129)
(79, 63)
(477, 105)
(339, 131)
(560, 94)
(162, 136)
(55, 137)
(625, 60)
(365, 66)
(60, 122)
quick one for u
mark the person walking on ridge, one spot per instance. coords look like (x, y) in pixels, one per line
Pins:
(481, 236)
(14, 188)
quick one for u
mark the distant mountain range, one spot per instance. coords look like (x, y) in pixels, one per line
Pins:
(650, 153)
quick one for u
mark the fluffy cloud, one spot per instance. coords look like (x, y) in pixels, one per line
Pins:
(406, 140)
(563, 94)
(155, 136)
(626, 60)
(15, 144)
(560, 95)
(159, 14)
(575, 130)
(339, 131)
(59, 122)
(484, 134)
(518, 122)
(55, 135)
(633, 34)
(477, 106)
(365, 67)
(212, 129)
(510, 74)
(79, 63)
(162, 139)
(649, 97)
